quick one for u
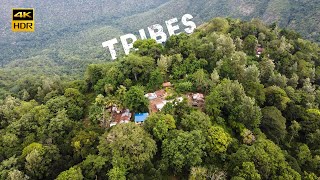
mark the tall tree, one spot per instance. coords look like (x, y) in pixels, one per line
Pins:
(159, 125)
(128, 146)
(138, 68)
(250, 44)
(180, 155)
(273, 124)
(72, 173)
(135, 100)
(228, 100)
(156, 80)
(218, 140)
(196, 120)
(148, 47)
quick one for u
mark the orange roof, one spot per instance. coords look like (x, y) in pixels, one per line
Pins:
(167, 84)
(160, 93)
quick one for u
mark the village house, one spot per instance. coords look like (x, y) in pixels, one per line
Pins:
(139, 118)
(151, 96)
(198, 100)
(167, 84)
(198, 97)
(160, 104)
(259, 50)
(161, 93)
(120, 116)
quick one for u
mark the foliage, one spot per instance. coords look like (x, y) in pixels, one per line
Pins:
(179, 154)
(134, 99)
(128, 146)
(159, 125)
(259, 118)
(217, 140)
(72, 173)
(267, 158)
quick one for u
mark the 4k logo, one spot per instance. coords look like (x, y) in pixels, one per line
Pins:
(23, 15)
(22, 19)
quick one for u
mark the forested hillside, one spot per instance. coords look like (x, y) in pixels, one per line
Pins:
(242, 103)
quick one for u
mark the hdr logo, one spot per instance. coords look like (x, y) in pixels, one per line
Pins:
(23, 20)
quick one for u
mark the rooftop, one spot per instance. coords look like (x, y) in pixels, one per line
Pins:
(198, 96)
(140, 117)
(151, 96)
(167, 84)
(160, 93)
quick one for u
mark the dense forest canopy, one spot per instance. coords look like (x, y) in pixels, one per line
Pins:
(69, 34)
(260, 118)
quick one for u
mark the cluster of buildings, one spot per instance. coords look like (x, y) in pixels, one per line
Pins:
(124, 116)
(157, 100)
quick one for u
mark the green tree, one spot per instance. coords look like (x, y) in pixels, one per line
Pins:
(180, 155)
(225, 46)
(294, 130)
(135, 100)
(138, 68)
(128, 145)
(7, 166)
(201, 80)
(59, 127)
(218, 140)
(278, 80)
(164, 64)
(214, 77)
(117, 174)
(248, 171)
(148, 47)
(273, 124)
(93, 73)
(184, 86)
(159, 125)
(57, 104)
(40, 161)
(177, 109)
(249, 45)
(75, 103)
(94, 166)
(8, 111)
(17, 175)
(71, 174)
(83, 143)
(228, 100)
(196, 120)
(266, 67)
(218, 24)
(9, 145)
(156, 80)
(251, 84)
(275, 96)
(233, 67)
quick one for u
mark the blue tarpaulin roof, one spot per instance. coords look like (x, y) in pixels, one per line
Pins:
(140, 117)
